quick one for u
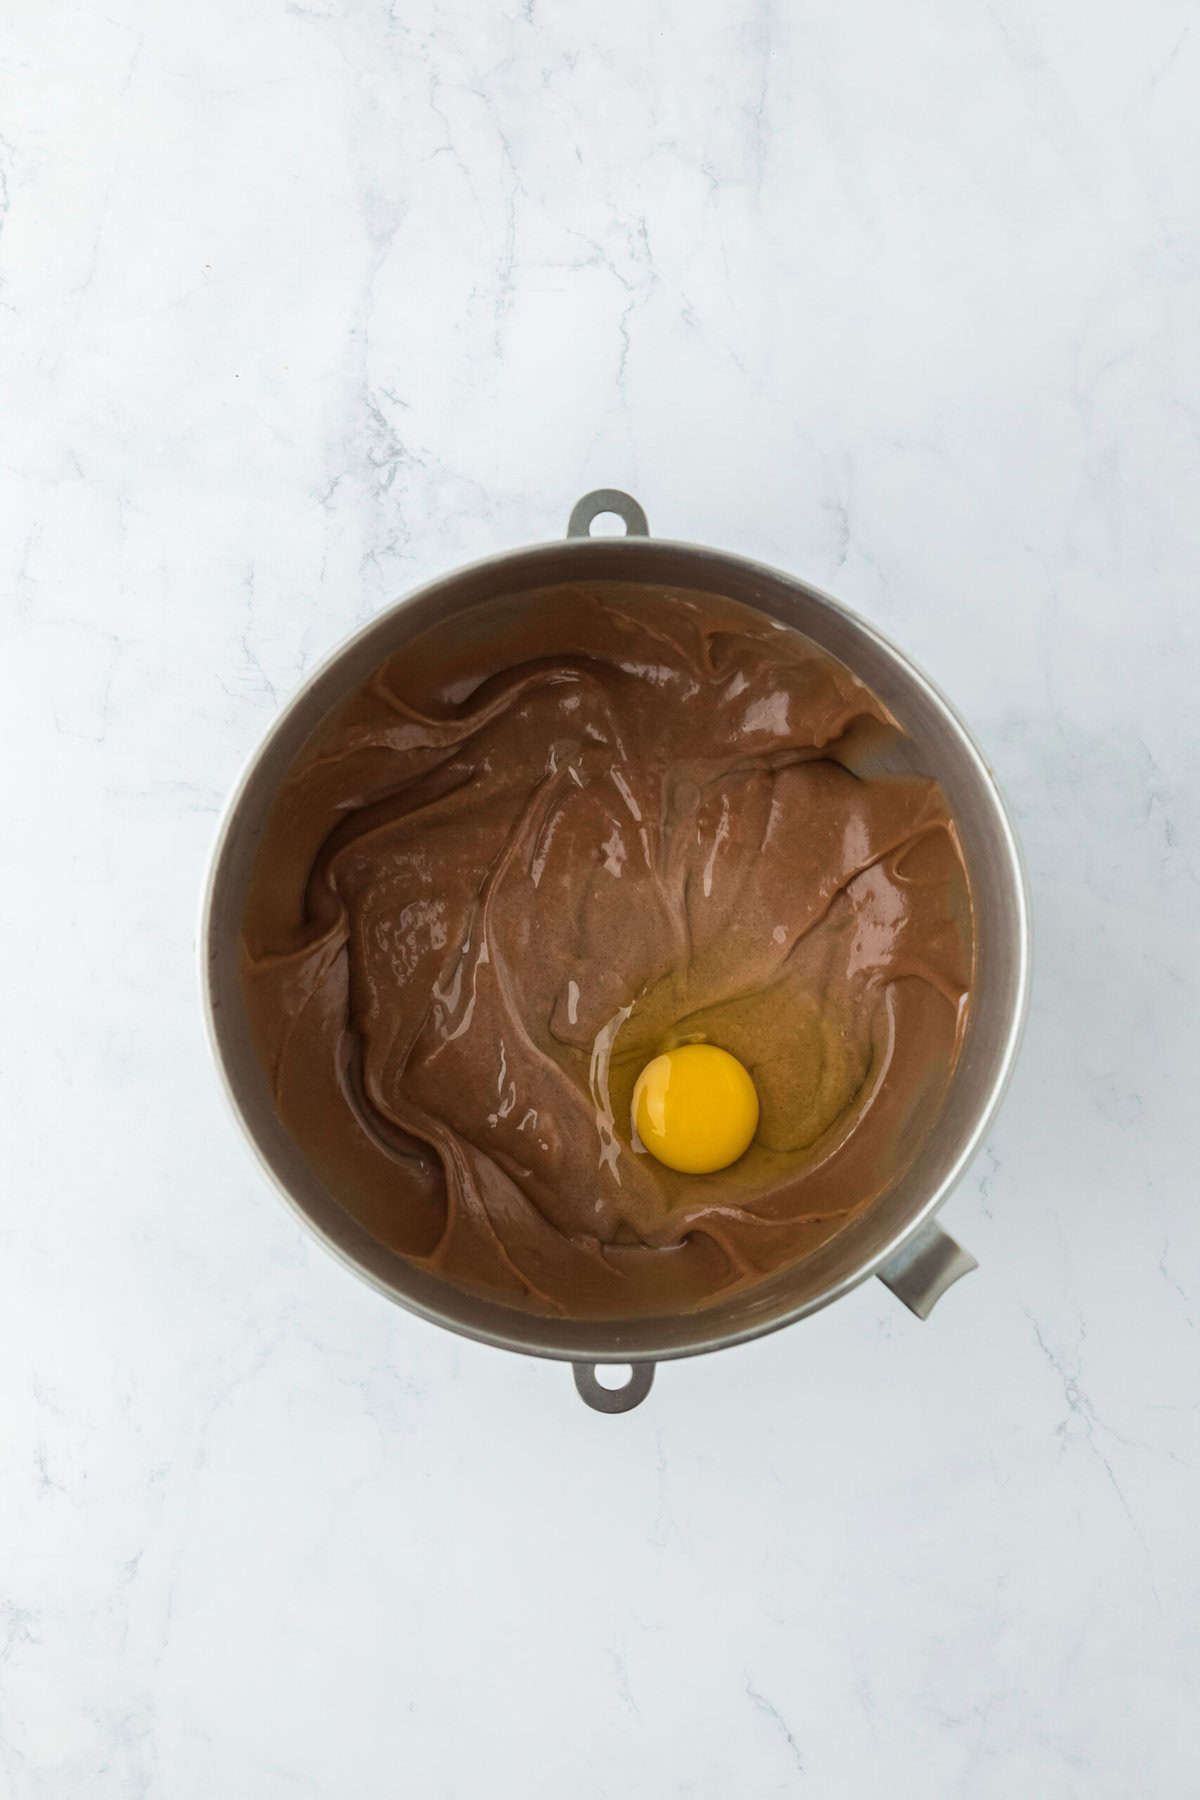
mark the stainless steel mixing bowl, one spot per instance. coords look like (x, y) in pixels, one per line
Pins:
(898, 1238)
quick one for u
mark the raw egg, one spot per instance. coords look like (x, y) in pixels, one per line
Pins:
(695, 1108)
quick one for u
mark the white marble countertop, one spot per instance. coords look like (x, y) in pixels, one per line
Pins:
(305, 300)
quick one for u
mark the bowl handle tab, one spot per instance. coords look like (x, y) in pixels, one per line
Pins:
(607, 500)
(925, 1267)
(613, 1400)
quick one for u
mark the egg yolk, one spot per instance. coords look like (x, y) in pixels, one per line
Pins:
(695, 1108)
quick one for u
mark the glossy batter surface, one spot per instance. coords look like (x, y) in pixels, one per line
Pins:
(544, 843)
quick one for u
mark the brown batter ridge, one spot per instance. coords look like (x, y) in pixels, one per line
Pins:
(550, 838)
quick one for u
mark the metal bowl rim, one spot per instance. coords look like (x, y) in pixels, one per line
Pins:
(511, 560)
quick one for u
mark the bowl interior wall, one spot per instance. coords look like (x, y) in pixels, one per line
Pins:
(937, 745)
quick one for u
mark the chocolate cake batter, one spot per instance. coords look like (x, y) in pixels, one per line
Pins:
(551, 838)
